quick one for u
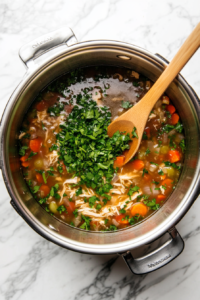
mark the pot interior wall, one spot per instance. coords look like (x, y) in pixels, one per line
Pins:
(65, 235)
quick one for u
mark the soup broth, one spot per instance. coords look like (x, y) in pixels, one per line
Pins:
(76, 172)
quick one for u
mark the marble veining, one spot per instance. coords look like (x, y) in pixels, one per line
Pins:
(33, 268)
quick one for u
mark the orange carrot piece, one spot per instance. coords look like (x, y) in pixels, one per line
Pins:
(167, 183)
(119, 161)
(120, 220)
(174, 156)
(35, 145)
(39, 178)
(171, 109)
(140, 209)
(45, 189)
(70, 207)
(174, 119)
(23, 159)
(42, 105)
(162, 177)
(160, 198)
(138, 164)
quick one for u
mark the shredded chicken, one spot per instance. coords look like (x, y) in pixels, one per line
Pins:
(21, 135)
(118, 99)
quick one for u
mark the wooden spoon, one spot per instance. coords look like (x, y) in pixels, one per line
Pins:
(138, 115)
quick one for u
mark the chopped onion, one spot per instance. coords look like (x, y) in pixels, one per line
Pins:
(152, 168)
(146, 190)
(165, 138)
(173, 131)
(115, 222)
(77, 221)
(33, 136)
(150, 145)
(165, 170)
(115, 179)
(147, 164)
(179, 137)
(155, 192)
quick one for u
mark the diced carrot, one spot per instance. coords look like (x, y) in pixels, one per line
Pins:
(120, 220)
(139, 209)
(39, 178)
(138, 164)
(71, 207)
(148, 132)
(24, 158)
(167, 183)
(174, 119)
(42, 105)
(25, 163)
(35, 144)
(174, 156)
(160, 198)
(45, 190)
(119, 161)
(171, 109)
(94, 224)
(162, 177)
(147, 177)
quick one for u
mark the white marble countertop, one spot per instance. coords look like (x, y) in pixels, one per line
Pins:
(33, 268)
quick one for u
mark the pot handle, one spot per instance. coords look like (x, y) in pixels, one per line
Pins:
(37, 47)
(157, 258)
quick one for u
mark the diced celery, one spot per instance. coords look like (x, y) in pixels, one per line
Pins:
(171, 172)
(141, 154)
(164, 149)
(38, 163)
(53, 207)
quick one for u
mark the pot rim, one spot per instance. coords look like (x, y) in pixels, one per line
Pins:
(174, 218)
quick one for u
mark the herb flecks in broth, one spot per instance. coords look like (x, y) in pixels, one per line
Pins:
(76, 172)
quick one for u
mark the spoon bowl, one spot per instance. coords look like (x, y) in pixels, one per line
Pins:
(137, 116)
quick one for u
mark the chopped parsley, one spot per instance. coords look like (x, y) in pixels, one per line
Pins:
(56, 109)
(168, 164)
(22, 150)
(86, 224)
(133, 190)
(75, 212)
(148, 151)
(126, 104)
(134, 134)
(160, 172)
(152, 204)
(61, 209)
(144, 172)
(182, 145)
(86, 149)
(79, 191)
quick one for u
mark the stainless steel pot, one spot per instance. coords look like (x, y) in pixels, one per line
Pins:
(43, 66)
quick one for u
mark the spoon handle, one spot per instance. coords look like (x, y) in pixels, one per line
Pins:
(186, 51)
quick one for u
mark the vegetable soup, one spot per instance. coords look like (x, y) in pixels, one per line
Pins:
(76, 172)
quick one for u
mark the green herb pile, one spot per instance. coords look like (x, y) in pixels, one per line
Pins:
(86, 149)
